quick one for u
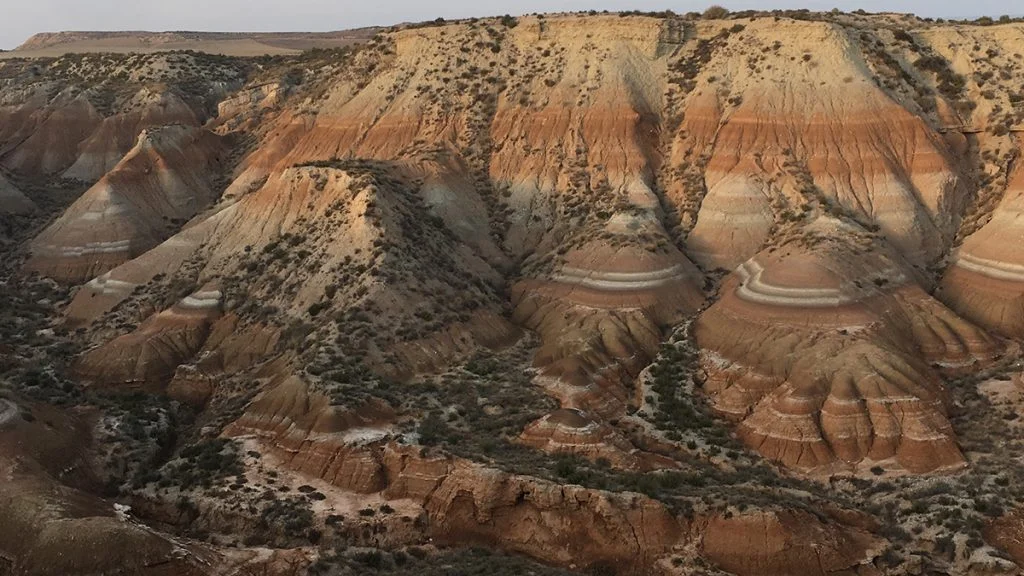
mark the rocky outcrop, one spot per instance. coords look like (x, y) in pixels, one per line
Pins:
(570, 431)
(821, 352)
(572, 525)
(166, 179)
(776, 543)
(558, 524)
(467, 503)
(229, 349)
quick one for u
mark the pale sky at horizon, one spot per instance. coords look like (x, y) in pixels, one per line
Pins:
(22, 18)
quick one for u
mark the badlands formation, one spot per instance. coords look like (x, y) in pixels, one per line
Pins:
(561, 294)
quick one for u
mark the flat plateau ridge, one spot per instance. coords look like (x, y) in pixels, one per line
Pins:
(602, 294)
(53, 44)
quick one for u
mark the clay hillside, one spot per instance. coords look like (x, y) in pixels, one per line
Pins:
(600, 294)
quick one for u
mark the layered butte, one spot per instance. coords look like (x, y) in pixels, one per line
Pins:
(823, 351)
(600, 317)
(166, 179)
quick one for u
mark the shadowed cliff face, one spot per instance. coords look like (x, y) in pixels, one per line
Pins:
(743, 267)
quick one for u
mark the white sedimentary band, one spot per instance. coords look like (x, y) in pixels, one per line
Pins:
(619, 280)
(590, 426)
(202, 300)
(726, 216)
(115, 247)
(108, 286)
(755, 290)
(991, 268)
(911, 435)
(112, 210)
(893, 399)
(363, 436)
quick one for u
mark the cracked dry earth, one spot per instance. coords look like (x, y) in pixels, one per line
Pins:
(562, 294)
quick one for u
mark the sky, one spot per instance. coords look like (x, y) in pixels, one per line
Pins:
(19, 19)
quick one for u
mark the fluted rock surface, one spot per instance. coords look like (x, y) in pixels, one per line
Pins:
(817, 127)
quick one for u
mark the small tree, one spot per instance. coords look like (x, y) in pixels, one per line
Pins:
(715, 12)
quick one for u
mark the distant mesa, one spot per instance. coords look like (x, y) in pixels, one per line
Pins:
(50, 44)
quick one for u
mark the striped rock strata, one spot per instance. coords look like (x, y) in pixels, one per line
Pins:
(76, 116)
(570, 431)
(166, 179)
(830, 355)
